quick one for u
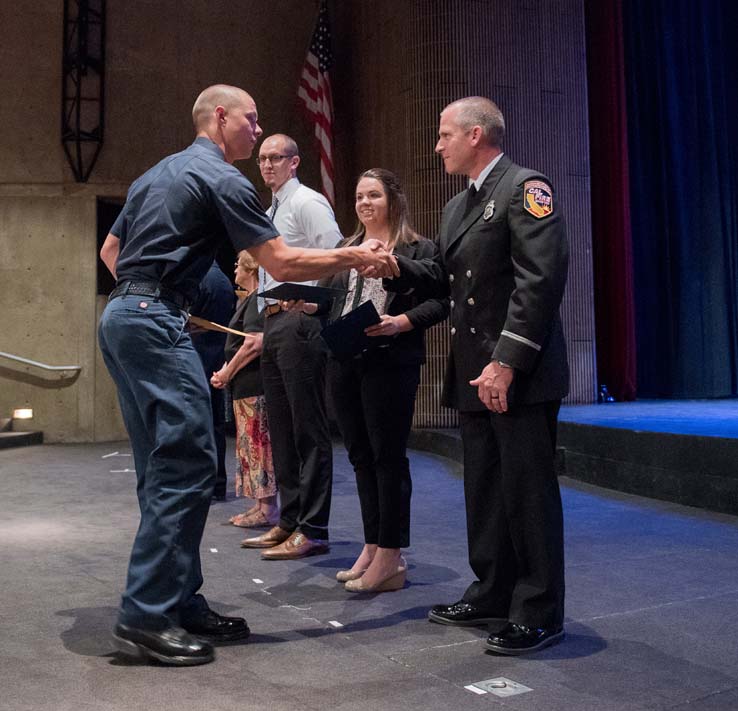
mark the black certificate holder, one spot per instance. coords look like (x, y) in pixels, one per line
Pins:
(296, 292)
(345, 336)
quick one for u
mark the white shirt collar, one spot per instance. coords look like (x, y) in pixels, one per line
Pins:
(287, 190)
(485, 172)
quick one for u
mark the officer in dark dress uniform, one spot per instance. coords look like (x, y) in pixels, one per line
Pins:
(175, 217)
(503, 259)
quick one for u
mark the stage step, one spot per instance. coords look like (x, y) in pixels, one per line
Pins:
(20, 439)
(689, 469)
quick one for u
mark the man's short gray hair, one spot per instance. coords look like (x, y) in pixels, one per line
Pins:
(479, 111)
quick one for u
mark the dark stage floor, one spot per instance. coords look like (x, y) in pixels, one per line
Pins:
(652, 604)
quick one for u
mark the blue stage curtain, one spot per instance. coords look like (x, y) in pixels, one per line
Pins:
(682, 95)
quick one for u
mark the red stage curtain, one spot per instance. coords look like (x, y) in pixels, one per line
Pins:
(611, 233)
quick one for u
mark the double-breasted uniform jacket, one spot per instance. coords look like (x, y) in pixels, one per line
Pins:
(503, 258)
(409, 347)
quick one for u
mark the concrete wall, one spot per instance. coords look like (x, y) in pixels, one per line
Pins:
(159, 56)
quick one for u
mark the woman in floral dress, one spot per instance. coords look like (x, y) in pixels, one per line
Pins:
(241, 372)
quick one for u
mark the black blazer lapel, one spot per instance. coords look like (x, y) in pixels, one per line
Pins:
(483, 197)
(404, 250)
(339, 282)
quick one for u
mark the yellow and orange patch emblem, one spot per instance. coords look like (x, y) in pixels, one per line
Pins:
(538, 198)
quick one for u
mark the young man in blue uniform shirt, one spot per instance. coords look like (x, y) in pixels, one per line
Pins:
(176, 216)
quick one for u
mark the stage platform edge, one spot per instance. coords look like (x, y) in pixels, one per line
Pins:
(688, 469)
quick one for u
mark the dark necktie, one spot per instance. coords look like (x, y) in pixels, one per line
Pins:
(462, 210)
(472, 199)
(261, 302)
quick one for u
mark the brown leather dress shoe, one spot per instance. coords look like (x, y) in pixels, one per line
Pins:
(273, 537)
(298, 545)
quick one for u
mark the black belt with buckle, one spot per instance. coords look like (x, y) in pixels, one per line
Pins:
(151, 289)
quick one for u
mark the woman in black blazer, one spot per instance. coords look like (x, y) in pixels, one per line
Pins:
(373, 394)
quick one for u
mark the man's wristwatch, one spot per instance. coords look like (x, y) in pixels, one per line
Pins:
(502, 364)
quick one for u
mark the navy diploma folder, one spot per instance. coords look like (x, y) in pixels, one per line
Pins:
(345, 336)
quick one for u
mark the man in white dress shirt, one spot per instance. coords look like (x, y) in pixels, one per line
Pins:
(293, 369)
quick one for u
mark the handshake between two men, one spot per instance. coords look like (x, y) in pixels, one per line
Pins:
(371, 258)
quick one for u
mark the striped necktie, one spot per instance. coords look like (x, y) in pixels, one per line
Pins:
(260, 302)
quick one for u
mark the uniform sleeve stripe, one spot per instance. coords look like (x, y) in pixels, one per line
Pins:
(522, 339)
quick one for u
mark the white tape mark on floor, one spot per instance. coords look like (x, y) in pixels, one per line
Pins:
(213, 550)
(258, 581)
(121, 471)
(334, 623)
(475, 689)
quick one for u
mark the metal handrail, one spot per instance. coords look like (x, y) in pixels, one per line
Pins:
(27, 361)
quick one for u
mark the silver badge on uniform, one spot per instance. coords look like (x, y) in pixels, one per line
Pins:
(489, 211)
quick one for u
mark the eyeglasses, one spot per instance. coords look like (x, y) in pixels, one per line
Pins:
(273, 159)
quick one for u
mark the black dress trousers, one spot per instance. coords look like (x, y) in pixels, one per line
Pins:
(514, 515)
(374, 401)
(293, 370)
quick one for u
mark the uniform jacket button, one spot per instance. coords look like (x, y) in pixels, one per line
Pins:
(453, 330)
(470, 301)
(453, 303)
(468, 272)
(450, 277)
(473, 330)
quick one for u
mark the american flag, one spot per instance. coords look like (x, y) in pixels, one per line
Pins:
(314, 94)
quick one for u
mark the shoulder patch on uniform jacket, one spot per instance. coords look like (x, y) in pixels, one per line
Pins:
(538, 198)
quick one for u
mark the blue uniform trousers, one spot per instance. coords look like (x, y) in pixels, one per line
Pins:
(165, 402)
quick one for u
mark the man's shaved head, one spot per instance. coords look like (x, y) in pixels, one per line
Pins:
(217, 95)
(288, 144)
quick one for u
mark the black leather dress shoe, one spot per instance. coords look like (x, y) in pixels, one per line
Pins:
(516, 639)
(463, 614)
(217, 628)
(170, 646)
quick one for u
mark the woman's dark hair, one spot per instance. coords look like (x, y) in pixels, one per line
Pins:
(401, 230)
